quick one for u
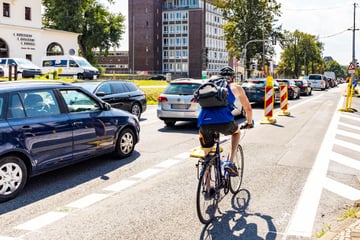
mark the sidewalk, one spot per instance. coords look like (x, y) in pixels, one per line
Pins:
(348, 229)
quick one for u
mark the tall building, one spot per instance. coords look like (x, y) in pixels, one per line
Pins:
(22, 34)
(168, 36)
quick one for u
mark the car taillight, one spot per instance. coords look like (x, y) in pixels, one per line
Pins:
(162, 99)
(193, 100)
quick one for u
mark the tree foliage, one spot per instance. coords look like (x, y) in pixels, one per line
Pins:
(250, 20)
(302, 52)
(99, 28)
(334, 66)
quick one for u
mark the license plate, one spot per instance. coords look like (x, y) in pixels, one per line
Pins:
(180, 106)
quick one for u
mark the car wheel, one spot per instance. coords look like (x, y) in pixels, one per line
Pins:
(136, 110)
(80, 76)
(13, 177)
(169, 123)
(125, 143)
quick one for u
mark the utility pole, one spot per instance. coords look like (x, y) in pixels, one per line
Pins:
(353, 43)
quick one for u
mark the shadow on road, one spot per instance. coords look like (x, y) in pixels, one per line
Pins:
(240, 223)
(57, 181)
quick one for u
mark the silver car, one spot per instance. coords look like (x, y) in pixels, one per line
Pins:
(177, 102)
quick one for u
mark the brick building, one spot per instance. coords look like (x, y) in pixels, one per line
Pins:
(168, 36)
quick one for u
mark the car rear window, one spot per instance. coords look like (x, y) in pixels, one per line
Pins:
(315, 77)
(254, 83)
(181, 88)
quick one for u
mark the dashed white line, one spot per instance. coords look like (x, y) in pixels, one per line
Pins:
(119, 186)
(87, 200)
(41, 221)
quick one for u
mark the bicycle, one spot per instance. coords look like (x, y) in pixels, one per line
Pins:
(213, 178)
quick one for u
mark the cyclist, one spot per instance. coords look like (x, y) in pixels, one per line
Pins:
(220, 119)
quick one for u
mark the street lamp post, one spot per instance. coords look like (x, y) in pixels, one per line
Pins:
(244, 53)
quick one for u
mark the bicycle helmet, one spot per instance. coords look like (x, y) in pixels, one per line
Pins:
(227, 71)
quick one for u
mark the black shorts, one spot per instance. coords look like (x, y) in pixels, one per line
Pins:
(208, 132)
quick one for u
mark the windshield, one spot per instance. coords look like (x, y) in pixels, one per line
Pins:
(83, 63)
(181, 88)
(89, 86)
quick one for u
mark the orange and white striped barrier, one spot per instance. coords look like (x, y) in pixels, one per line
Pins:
(269, 102)
(283, 100)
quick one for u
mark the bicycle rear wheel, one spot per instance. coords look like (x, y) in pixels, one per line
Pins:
(235, 182)
(206, 203)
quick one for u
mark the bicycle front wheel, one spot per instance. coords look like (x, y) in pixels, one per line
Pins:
(206, 202)
(235, 181)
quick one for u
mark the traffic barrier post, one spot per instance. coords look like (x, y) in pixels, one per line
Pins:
(269, 102)
(348, 100)
(284, 101)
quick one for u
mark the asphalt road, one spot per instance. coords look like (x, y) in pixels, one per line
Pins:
(293, 185)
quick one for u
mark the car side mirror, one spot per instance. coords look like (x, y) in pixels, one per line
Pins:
(106, 106)
(100, 94)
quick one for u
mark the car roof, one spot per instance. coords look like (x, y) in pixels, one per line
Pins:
(188, 80)
(5, 86)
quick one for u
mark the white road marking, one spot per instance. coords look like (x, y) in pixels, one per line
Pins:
(121, 185)
(87, 200)
(348, 134)
(350, 126)
(147, 173)
(344, 160)
(168, 163)
(344, 144)
(41, 221)
(303, 217)
(341, 189)
(7, 238)
(351, 117)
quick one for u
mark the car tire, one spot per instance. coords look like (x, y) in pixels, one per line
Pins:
(125, 144)
(136, 110)
(80, 76)
(13, 177)
(169, 123)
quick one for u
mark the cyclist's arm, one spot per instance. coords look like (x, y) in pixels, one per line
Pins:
(239, 92)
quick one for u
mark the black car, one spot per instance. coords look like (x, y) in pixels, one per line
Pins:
(293, 89)
(120, 94)
(255, 90)
(48, 125)
(157, 77)
(305, 86)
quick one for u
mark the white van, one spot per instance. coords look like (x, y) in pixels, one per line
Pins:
(67, 65)
(318, 81)
(25, 68)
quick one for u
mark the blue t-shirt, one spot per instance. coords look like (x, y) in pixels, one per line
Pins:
(217, 114)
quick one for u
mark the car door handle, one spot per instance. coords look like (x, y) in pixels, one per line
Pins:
(76, 123)
(25, 128)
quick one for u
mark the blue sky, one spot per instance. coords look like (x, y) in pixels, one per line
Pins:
(327, 19)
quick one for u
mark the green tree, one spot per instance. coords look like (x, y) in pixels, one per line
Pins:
(99, 28)
(248, 20)
(301, 53)
(334, 66)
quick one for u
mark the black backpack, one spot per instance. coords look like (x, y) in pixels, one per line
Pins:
(213, 93)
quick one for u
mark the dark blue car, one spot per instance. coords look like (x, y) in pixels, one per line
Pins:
(255, 90)
(45, 126)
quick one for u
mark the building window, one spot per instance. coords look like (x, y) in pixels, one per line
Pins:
(6, 9)
(54, 49)
(28, 57)
(27, 13)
